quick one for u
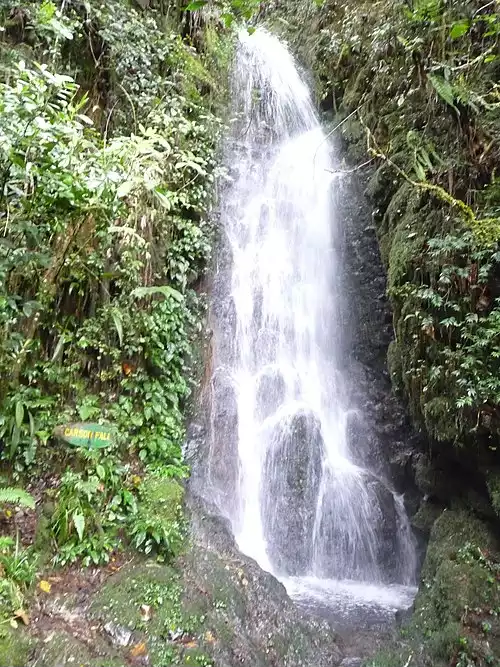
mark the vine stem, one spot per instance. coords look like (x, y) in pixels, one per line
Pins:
(376, 151)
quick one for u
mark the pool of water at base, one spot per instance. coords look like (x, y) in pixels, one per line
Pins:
(351, 604)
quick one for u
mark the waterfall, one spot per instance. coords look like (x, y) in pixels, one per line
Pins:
(280, 466)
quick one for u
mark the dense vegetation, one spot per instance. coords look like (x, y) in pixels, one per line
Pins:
(110, 120)
(110, 123)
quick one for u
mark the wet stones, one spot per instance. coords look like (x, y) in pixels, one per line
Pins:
(290, 488)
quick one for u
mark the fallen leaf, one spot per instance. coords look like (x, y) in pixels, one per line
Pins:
(20, 613)
(191, 644)
(145, 612)
(138, 649)
(45, 586)
(209, 637)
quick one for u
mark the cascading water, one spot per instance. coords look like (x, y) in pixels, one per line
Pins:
(297, 502)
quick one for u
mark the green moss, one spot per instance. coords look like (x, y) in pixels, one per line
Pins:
(389, 657)
(161, 498)
(15, 647)
(65, 649)
(158, 587)
(440, 418)
(394, 366)
(357, 88)
(452, 530)
(493, 484)
(425, 516)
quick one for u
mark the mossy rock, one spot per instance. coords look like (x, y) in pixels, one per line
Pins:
(64, 649)
(161, 498)
(459, 592)
(493, 484)
(440, 418)
(15, 647)
(395, 366)
(357, 88)
(452, 530)
(425, 517)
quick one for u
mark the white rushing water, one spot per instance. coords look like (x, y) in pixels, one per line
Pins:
(297, 502)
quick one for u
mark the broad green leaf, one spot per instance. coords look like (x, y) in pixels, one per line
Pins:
(162, 199)
(444, 89)
(118, 321)
(19, 414)
(165, 290)
(79, 522)
(58, 352)
(196, 4)
(32, 424)
(459, 29)
(125, 189)
(15, 438)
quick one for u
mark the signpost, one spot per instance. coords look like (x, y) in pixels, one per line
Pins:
(85, 434)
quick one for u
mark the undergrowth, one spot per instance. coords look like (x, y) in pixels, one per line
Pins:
(110, 122)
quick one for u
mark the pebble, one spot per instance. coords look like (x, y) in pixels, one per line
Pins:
(351, 662)
(121, 636)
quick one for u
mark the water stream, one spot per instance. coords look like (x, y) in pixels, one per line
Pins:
(280, 468)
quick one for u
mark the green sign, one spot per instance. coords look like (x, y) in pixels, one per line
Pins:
(91, 436)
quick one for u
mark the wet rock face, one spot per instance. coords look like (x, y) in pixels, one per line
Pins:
(291, 481)
(211, 452)
(387, 527)
(270, 393)
(223, 456)
(256, 624)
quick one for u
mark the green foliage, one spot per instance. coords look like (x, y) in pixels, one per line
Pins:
(17, 574)
(444, 89)
(107, 164)
(157, 526)
(90, 507)
(454, 312)
(231, 10)
(14, 496)
(104, 235)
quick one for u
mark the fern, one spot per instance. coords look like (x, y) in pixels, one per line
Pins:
(444, 89)
(17, 497)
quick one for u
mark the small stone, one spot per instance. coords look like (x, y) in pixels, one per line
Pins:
(121, 636)
(351, 662)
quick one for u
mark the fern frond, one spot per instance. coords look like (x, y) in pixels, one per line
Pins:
(17, 497)
(444, 89)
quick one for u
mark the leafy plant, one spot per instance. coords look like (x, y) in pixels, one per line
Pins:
(89, 510)
(17, 573)
(231, 10)
(15, 496)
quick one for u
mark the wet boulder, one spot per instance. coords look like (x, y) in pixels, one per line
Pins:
(270, 393)
(290, 489)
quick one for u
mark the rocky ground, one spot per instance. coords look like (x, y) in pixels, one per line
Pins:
(211, 606)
